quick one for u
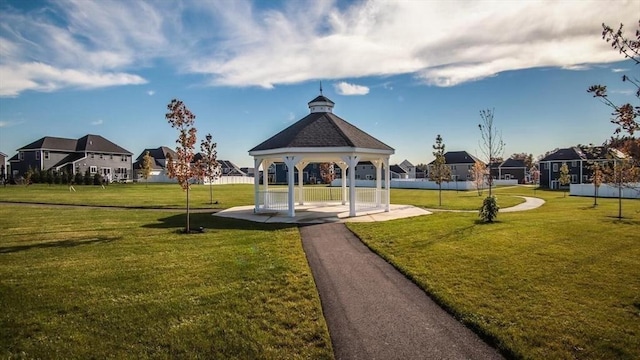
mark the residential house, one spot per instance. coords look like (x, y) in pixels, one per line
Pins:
(408, 168)
(248, 170)
(159, 164)
(3, 166)
(514, 169)
(90, 152)
(578, 161)
(310, 174)
(398, 172)
(460, 163)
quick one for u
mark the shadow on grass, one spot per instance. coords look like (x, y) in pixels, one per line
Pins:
(624, 221)
(58, 244)
(209, 222)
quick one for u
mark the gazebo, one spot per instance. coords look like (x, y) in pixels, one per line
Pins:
(321, 137)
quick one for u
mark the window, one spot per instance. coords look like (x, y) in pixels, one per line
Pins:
(101, 156)
(555, 167)
(574, 163)
(546, 166)
(123, 158)
(37, 155)
(91, 155)
(46, 155)
(111, 157)
(21, 156)
(369, 177)
(574, 178)
(93, 169)
(453, 167)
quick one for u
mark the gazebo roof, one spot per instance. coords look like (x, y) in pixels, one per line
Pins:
(322, 130)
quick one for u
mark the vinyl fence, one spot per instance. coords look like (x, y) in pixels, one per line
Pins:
(605, 191)
(424, 184)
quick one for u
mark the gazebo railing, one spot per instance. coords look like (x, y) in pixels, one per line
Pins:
(273, 199)
(277, 198)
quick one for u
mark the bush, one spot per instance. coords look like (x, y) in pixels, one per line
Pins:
(78, 178)
(489, 209)
(97, 179)
(88, 180)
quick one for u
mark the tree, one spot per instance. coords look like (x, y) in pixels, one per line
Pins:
(210, 166)
(564, 178)
(597, 176)
(78, 178)
(422, 167)
(491, 145)
(439, 171)
(478, 174)
(624, 116)
(182, 119)
(145, 169)
(621, 175)
(489, 209)
(326, 172)
(87, 179)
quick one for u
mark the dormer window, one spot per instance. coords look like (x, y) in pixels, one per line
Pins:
(37, 155)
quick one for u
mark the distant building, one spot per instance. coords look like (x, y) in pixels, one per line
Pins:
(3, 166)
(578, 161)
(159, 164)
(90, 152)
(460, 163)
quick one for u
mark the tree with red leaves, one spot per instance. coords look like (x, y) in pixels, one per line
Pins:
(210, 166)
(181, 169)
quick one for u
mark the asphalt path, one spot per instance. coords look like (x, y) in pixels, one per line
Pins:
(373, 311)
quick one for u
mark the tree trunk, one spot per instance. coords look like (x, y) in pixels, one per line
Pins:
(440, 194)
(620, 201)
(210, 192)
(187, 228)
(595, 195)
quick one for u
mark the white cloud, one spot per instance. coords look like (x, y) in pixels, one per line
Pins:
(345, 88)
(89, 44)
(617, 70)
(151, 92)
(97, 122)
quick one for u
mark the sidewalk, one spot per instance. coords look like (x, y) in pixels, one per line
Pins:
(373, 311)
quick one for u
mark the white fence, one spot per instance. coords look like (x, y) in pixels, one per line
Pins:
(605, 191)
(424, 184)
(273, 199)
(223, 180)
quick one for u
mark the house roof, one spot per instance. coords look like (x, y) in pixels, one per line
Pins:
(321, 98)
(459, 157)
(397, 169)
(51, 143)
(87, 143)
(577, 153)
(69, 159)
(158, 153)
(513, 163)
(320, 130)
(96, 143)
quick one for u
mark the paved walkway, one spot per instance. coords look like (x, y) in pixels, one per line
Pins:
(529, 203)
(373, 311)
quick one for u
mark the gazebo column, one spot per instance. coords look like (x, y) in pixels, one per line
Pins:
(352, 162)
(387, 184)
(266, 164)
(343, 181)
(378, 165)
(291, 162)
(300, 166)
(256, 183)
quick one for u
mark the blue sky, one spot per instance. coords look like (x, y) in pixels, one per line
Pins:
(404, 71)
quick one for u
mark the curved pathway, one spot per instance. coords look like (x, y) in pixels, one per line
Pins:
(373, 311)
(529, 203)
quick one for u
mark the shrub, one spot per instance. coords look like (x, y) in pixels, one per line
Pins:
(88, 180)
(97, 179)
(78, 178)
(489, 209)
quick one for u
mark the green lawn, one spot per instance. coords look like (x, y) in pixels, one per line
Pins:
(98, 283)
(454, 200)
(559, 282)
(134, 195)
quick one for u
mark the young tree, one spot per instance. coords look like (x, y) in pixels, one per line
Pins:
(182, 119)
(87, 179)
(326, 172)
(210, 166)
(145, 167)
(439, 171)
(78, 178)
(491, 145)
(623, 174)
(478, 174)
(597, 176)
(564, 178)
(624, 116)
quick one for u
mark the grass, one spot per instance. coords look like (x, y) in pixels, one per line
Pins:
(133, 195)
(558, 282)
(98, 283)
(453, 200)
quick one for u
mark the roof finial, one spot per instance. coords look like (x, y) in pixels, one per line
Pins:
(320, 87)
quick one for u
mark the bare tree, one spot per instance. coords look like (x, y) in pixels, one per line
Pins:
(182, 119)
(210, 166)
(439, 171)
(491, 145)
(622, 174)
(146, 167)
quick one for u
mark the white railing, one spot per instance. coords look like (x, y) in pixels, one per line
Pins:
(273, 199)
(319, 195)
(632, 191)
(370, 198)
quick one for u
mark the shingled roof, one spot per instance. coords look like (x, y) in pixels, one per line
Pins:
(87, 143)
(52, 143)
(321, 130)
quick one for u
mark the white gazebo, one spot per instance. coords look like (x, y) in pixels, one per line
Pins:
(321, 137)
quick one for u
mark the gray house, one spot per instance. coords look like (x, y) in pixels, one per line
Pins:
(460, 163)
(159, 157)
(3, 166)
(90, 152)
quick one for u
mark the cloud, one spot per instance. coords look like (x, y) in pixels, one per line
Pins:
(151, 92)
(617, 70)
(6, 124)
(91, 44)
(577, 67)
(97, 122)
(345, 88)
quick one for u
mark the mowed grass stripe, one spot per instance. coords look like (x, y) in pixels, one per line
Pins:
(84, 283)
